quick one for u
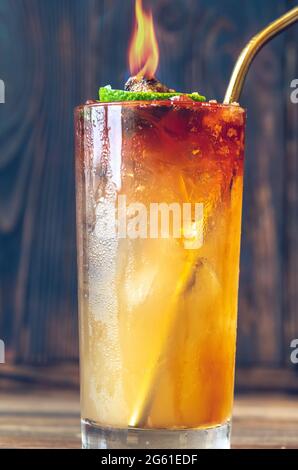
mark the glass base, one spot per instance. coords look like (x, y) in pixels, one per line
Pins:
(95, 437)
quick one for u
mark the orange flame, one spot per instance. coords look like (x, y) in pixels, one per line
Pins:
(143, 50)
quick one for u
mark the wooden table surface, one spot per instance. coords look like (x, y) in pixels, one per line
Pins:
(50, 419)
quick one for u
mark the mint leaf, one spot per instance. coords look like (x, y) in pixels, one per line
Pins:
(108, 95)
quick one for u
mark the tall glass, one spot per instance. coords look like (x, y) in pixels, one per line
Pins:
(159, 195)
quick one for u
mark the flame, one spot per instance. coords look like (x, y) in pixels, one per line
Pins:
(143, 50)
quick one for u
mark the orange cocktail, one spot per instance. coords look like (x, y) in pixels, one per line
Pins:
(154, 334)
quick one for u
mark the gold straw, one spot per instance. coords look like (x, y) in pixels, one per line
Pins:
(250, 51)
(152, 375)
(150, 382)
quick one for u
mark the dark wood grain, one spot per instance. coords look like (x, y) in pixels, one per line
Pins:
(290, 227)
(53, 55)
(260, 312)
(40, 420)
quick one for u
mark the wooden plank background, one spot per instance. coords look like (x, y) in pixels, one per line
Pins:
(53, 55)
(35, 419)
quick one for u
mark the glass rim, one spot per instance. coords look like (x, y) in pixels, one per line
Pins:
(157, 103)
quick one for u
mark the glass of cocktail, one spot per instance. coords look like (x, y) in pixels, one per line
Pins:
(159, 191)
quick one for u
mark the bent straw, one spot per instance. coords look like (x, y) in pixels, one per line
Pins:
(250, 51)
(149, 385)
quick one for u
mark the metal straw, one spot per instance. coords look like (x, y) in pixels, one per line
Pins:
(148, 387)
(250, 51)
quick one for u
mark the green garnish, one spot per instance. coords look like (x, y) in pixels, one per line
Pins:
(108, 95)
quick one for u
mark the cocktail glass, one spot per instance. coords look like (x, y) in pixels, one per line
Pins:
(159, 195)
